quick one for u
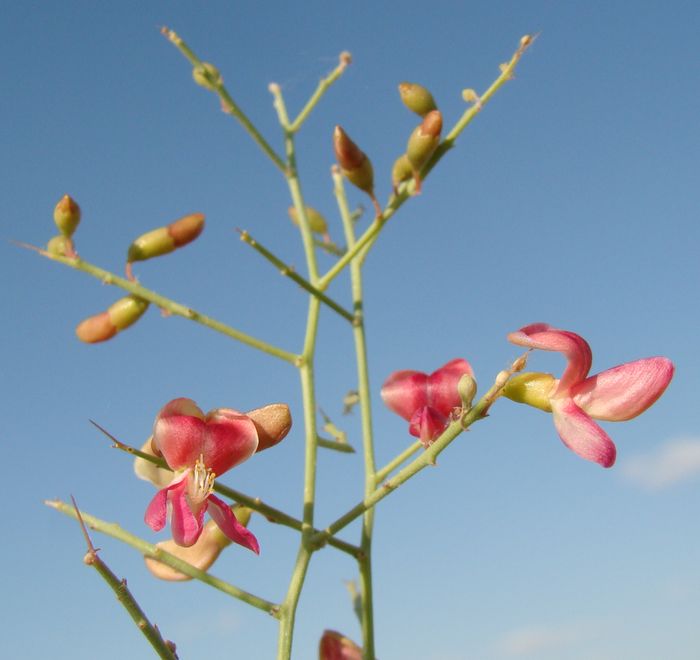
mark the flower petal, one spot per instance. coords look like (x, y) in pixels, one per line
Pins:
(404, 392)
(178, 433)
(427, 424)
(185, 524)
(625, 391)
(229, 525)
(581, 434)
(573, 346)
(157, 511)
(442, 385)
(230, 438)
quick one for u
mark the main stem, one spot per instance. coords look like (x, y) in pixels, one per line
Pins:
(365, 557)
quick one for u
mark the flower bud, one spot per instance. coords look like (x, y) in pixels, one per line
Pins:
(166, 239)
(402, 171)
(101, 327)
(417, 98)
(60, 246)
(66, 215)
(466, 387)
(353, 162)
(334, 646)
(202, 554)
(272, 423)
(531, 388)
(423, 142)
(317, 223)
(207, 75)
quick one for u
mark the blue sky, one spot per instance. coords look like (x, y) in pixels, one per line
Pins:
(572, 199)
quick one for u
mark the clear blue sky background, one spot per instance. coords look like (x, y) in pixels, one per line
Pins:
(573, 199)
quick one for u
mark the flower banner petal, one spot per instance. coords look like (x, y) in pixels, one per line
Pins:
(573, 346)
(230, 438)
(405, 391)
(442, 385)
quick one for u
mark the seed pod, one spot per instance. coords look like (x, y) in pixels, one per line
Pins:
(423, 142)
(165, 239)
(101, 327)
(59, 245)
(531, 388)
(202, 554)
(355, 165)
(317, 223)
(207, 75)
(66, 215)
(272, 423)
(417, 98)
(402, 171)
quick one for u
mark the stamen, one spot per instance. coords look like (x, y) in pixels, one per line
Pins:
(201, 484)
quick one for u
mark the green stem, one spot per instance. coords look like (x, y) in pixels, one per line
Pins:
(396, 201)
(363, 388)
(289, 272)
(255, 503)
(227, 102)
(322, 88)
(398, 460)
(169, 305)
(126, 599)
(154, 552)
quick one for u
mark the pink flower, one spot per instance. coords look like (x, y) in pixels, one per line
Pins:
(614, 395)
(334, 646)
(198, 448)
(426, 401)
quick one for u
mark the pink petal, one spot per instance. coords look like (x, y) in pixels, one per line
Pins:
(405, 391)
(186, 525)
(625, 391)
(157, 511)
(581, 434)
(228, 523)
(230, 438)
(442, 385)
(427, 424)
(573, 346)
(178, 433)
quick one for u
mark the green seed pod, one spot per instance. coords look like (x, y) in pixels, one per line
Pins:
(105, 325)
(531, 388)
(402, 171)
(424, 140)
(166, 239)
(353, 162)
(317, 223)
(207, 75)
(59, 245)
(66, 215)
(417, 98)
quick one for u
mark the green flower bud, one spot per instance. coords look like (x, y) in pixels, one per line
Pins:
(533, 389)
(466, 387)
(66, 215)
(101, 327)
(317, 223)
(166, 239)
(59, 245)
(417, 98)
(424, 140)
(207, 75)
(353, 162)
(402, 171)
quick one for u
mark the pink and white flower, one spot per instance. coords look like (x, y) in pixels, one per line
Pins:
(576, 399)
(426, 401)
(198, 448)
